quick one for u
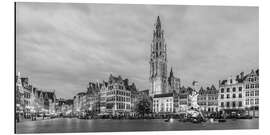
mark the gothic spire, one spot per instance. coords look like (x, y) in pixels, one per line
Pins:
(158, 24)
(171, 73)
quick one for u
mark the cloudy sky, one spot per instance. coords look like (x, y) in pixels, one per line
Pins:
(64, 46)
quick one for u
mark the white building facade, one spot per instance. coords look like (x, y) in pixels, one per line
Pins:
(163, 103)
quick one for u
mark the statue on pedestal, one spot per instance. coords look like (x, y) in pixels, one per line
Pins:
(194, 108)
(193, 100)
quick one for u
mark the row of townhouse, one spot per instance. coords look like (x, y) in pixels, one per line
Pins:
(240, 94)
(64, 107)
(179, 102)
(115, 96)
(29, 99)
(208, 99)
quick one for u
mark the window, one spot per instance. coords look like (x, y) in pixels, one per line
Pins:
(256, 85)
(251, 101)
(234, 96)
(234, 89)
(256, 101)
(228, 95)
(247, 101)
(252, 85)
(222, 104)
(256, 93)
(247, 86)
(228, 89)
(233, 104)
(228, 104)
(240, 95)
(240, 89)
(222, 90)
(247, 93)
(240, 104)
(252, 93)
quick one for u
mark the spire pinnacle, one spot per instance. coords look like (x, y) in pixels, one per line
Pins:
(171, 72)
(158, 24)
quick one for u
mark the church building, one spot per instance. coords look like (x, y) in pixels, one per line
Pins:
(160, 82)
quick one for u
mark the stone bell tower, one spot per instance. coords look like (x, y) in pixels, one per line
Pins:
(158, 61)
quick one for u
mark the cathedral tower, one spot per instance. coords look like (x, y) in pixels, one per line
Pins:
(158, 61)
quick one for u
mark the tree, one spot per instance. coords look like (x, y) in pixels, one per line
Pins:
(143, 106)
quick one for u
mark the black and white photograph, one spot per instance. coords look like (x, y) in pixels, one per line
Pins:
(100, 67)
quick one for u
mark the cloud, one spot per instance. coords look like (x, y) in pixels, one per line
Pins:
(64, 46)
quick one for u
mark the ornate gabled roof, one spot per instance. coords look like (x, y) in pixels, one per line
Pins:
(208, 90)
(183, 90)
(202, 91)
(189, 90)
(49, 95)
(213, 87)
(113, 79)
(125, 82)
(132, 87)
(256, 72)
(93, 88)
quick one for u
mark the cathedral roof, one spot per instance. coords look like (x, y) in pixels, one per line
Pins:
(163, 95)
